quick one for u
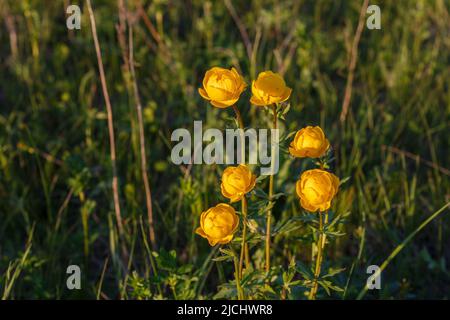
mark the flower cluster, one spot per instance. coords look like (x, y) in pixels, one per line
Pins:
(223, 87)
(219, 223)
(316, 188)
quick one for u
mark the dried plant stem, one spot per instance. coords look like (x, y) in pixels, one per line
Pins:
(148, 194)
(319, 257)
(271, 183)
(353, 60)
(112, 142)
(241, 27)
(415, 157)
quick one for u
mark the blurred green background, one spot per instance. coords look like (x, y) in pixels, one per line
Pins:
(55, 169)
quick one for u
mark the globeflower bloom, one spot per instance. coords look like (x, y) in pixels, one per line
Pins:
(222, 87)
(316, 189)
(236, 182)
(269, 88)
(309, 142)
(218, 224)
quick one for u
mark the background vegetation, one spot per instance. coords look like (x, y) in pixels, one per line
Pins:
(56, 203)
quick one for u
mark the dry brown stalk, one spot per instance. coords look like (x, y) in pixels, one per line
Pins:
(353, 60)
(112, 141)
(148, 194)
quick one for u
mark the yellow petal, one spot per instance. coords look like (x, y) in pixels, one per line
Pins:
(286, 94)
(226, 239)
(296, 153)
(212, 242)
(307, 206)
(200, 232)
(203, 93)
(257, 102)
(220, 105)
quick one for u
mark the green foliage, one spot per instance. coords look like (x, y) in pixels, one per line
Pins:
(55, 178)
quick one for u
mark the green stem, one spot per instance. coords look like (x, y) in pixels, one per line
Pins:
(269, 212)
(150, 255)
(402, 245)
(205, 270)
(244, 246)
(240, 293)
(238, 117)
(319, 258)
(241, 126)
(244, 250)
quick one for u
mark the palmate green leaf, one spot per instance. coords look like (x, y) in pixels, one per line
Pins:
(287, 277)
(260, 193)
(223, 258)
(226, 291)
(165, 260)
(256, 206)
(343, 181)
(266, 208)
(334, 234)
(308, 217)
(291, 134)
(305, 271)
(184, 286)
(187, 268)
(336, 219)
(333, 272)
(227, 252)
(277, 196)
(248, 276)
(329, 286)
(268, 289)
(139, 288)
(286, 226)
(292, 264)
(253, 277)
(286, 109)
(253, 225)
(261, 178)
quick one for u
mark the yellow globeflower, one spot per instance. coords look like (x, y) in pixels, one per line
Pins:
(236, 182)
(309, 142)
(269, 88)
(316, 189)
(222, 87)
(218, 224)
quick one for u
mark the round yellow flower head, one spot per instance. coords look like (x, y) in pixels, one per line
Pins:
(309, 142)
(236, 182)
(222, 87)
(269, 88)
(316, 189)
(217, 224)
